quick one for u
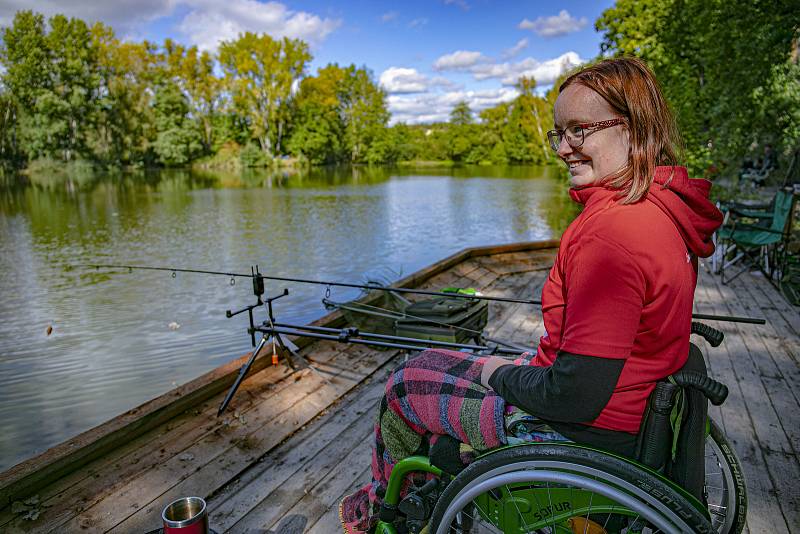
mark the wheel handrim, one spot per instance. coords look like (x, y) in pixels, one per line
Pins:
(632, 499)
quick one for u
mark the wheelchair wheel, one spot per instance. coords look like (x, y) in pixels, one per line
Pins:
(725, 491)
(562, 489)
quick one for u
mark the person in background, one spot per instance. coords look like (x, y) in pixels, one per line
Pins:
(616, 305)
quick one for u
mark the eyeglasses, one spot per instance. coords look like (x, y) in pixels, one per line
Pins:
(575, 134)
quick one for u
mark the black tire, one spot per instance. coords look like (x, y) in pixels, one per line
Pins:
(641, 492)
(725, 488)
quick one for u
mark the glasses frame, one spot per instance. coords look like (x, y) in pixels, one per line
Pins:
(555, 136)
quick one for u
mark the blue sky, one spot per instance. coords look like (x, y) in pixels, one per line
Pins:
(428, 55)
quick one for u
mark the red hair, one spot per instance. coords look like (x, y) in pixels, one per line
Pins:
(632, 91)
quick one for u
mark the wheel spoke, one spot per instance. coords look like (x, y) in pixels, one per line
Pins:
(521, 518)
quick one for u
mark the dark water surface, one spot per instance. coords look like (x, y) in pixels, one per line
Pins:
(111, 346)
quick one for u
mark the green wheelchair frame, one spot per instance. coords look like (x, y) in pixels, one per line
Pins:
(605, 480)
(566, 487)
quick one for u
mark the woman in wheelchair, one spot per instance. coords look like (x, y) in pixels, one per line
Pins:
(616, 307)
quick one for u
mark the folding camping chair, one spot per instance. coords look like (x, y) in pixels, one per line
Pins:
(762, 243)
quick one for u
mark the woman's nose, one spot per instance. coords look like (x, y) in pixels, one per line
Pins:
(564, 148)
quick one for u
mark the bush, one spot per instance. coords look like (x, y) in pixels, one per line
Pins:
(252, 156)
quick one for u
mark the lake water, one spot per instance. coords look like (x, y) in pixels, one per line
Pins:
(111, 346)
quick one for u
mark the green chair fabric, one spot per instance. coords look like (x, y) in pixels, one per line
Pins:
(762, 244)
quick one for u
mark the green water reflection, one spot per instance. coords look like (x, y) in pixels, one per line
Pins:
(111, 347)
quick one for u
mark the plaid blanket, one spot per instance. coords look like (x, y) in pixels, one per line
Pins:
(437, 393)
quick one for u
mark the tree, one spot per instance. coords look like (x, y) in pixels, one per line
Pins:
(461, 114)
(25, 55)
(75, 84)
(462, 134)
(318, 129)
(338, 115)
(722, 93)
(193, 72)
(52, 78)
(523, 135)
(362, 108)
(125, 119)
(178, 139)
(259, 73)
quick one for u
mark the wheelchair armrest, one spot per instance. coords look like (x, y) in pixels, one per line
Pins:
(715, 392)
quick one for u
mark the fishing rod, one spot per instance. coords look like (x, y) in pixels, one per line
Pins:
(278, 333)
(409, 290)
(453, 294)
(275, 331)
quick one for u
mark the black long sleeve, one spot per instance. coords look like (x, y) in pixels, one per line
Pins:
(575, 389)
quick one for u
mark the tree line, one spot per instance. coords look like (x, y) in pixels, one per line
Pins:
(70, 91)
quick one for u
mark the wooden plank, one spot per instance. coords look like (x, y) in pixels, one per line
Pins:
(328, 522)
(345, 455)
(511, 266)
(750, 420)
(82, 488)
(779, 371)
(27, 477)
(764, 514)
(324, 495)
(512, 286)
(773, 301)
(223, 454)
(513, 247)
(294, 455)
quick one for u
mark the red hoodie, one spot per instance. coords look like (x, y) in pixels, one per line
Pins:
(623, 282)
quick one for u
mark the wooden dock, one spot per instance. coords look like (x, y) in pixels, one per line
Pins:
(293, 443)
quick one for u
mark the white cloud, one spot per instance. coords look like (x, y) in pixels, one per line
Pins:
(400, 80)
(422, 21)
(544, 72)
(206, 22)
(389, 16)
(123, 15)
(210, 22)
(459, 60)
(560, 24)
(436, 107)
(521, 45)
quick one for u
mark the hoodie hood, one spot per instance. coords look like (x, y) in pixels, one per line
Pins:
(684, 200)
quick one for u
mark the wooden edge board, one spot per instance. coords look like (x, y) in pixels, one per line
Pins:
(28, 476)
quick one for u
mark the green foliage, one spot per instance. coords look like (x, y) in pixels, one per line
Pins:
(339, 115)
(252, 156)
(69, 91)
(362, 109)
(259, 73)
(461, 114)
(726, 69)
(177, 139)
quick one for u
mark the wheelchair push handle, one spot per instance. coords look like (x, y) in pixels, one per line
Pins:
(712, 335)
(716, 392)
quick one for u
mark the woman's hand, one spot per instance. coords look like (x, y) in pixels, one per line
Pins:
(492, 363)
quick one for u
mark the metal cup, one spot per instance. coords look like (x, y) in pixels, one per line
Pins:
(187, 515)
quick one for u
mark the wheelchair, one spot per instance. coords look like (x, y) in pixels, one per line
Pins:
(565, 487)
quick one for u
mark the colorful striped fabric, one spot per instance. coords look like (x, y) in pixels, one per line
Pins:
(436, 393)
